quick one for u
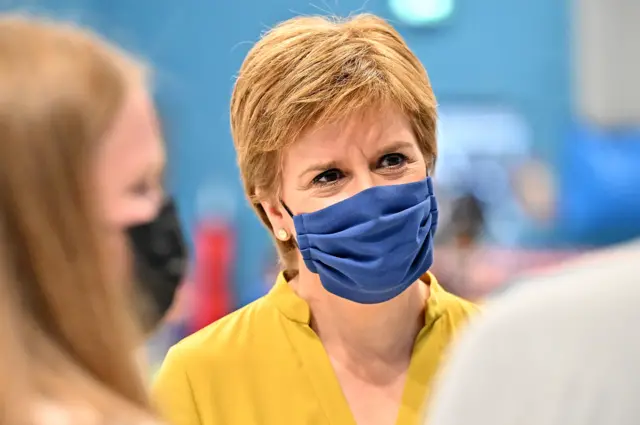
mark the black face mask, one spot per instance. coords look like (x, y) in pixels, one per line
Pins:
(160, 263)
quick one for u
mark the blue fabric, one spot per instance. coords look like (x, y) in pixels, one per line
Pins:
(371, 247)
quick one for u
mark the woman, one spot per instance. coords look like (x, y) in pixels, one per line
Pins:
(80, 179)
(334, 125)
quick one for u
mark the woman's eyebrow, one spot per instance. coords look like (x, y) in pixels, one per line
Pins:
(319, 167)
(393, 147)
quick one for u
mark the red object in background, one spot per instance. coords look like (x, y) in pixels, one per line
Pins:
(214, 259)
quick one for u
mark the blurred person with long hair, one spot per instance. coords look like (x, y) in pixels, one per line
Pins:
(560, 348)
(334, 124)
(81, 161)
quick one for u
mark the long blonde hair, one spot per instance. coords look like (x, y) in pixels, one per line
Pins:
(65, 332)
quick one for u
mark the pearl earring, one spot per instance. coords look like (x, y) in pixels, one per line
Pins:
(283, 235)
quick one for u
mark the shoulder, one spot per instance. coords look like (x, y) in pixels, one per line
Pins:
(227, 337)
(568, 310)
(456, 309)
(212, 362)
(592, 288)
(545, 336)
(456, 306)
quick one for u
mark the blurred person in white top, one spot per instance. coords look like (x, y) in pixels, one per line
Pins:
(81, 161)
(558, 349)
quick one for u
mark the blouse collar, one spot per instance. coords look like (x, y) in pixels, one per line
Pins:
(296, 309)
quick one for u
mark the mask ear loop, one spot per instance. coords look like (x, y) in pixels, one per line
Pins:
(286, 208)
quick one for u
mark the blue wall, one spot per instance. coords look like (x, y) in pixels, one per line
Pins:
(502, 51)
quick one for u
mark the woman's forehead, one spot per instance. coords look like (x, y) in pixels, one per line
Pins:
(134, 140)
(368, 130)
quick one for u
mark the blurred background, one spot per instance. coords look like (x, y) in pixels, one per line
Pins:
(539, 132)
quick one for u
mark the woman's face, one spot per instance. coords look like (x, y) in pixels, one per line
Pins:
(335, 162)
(130, 165)
(129, 168)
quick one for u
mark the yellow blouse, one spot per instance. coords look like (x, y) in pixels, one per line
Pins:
(264, 365)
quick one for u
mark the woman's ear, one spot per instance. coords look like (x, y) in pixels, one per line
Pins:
(273, 210)
(274, 213)
(279, 219)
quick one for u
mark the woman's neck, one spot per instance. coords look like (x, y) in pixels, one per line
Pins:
(360, 334)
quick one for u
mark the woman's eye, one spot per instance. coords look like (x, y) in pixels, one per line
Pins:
(141, 189)
(392, 160)
(328, 177)
(147, 189)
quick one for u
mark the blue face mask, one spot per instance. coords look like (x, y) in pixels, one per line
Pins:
(371, 247)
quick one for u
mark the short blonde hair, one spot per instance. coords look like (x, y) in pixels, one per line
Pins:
(310, 71)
